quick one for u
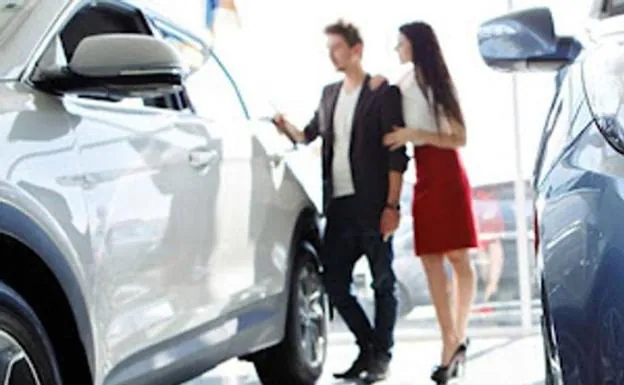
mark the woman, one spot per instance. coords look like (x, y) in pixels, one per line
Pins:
(444, 225)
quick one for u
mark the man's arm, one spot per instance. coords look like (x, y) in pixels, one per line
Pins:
(395, 181)
(312, 130)
(309, 133)
(392, 115)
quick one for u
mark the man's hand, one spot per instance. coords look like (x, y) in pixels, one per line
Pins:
(286, 128)
(280, 122)
(390, 219)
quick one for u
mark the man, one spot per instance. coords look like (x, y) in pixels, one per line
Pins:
(361, 191)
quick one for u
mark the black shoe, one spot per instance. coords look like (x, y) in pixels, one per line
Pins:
(442, 374)
(460, 359)
(359, 366)
(378, 370)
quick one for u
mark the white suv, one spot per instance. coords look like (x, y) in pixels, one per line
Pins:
(149, 228)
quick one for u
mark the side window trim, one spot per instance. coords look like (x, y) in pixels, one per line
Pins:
(159, 24)
(234, 85)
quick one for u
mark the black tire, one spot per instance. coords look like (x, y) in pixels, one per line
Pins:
(547, 336)
(286, 363)
(547, 355)
(21, 330)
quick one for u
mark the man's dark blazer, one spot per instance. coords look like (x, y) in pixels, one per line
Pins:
(377, 111)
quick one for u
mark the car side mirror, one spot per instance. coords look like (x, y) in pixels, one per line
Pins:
(117, 66)
(525, 41)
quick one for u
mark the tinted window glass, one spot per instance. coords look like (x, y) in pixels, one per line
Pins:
(616, 7)
(211, 91)
(213, 94)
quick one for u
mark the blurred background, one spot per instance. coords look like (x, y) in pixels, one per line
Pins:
(277, 49)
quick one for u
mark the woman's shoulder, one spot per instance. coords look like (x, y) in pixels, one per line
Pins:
(406, 79)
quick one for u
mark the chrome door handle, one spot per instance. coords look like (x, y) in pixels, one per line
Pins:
(203, 158)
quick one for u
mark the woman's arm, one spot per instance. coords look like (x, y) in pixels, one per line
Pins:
(452, 134)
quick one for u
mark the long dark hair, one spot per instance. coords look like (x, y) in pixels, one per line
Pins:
(427, 56)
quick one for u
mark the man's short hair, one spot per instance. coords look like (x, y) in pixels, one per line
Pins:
(348, 31)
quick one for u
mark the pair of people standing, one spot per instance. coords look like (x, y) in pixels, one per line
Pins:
(365, 124)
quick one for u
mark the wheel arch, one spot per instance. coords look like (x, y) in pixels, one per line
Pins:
(37, 252)
(306, 237)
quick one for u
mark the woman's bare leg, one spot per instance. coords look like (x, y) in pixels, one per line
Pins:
(496, 268)
(438, 288)
(455, 298)
(466, 286)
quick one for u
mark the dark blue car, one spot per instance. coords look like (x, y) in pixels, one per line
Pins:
(579, 186)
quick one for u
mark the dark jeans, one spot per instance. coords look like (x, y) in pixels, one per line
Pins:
(346, 240)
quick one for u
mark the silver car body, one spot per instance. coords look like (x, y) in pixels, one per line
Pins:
(169, 233)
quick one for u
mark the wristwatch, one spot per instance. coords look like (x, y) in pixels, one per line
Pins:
(393, 206)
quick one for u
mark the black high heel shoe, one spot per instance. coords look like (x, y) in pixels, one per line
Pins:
(461, 353)
(442, 374)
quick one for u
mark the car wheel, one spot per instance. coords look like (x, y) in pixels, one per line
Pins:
(26, 355)
(299, 358)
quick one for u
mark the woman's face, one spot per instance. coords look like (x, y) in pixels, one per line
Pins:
(404, 49)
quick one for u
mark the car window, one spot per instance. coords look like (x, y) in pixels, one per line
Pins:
(616, 7)
(101, 19)
(86, 22)
(193, 51)
(209, 88)
(213, 94)
(92, 21)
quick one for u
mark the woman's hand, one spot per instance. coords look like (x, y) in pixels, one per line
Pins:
(376, 82)
(399, 137)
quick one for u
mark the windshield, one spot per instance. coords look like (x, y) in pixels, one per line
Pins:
(11, 11)
(22, 25)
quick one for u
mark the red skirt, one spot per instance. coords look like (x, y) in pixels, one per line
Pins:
(442, 205)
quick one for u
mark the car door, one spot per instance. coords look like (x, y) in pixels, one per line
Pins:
(244, 267)
(142, 175)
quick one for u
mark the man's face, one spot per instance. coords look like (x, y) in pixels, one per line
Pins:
(341, 55)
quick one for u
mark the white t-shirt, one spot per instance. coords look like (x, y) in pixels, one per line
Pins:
(343, 126)
(417, 111)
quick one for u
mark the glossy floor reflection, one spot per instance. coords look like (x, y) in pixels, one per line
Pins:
(491, 361)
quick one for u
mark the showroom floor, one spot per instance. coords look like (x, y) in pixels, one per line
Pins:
(491, 361)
